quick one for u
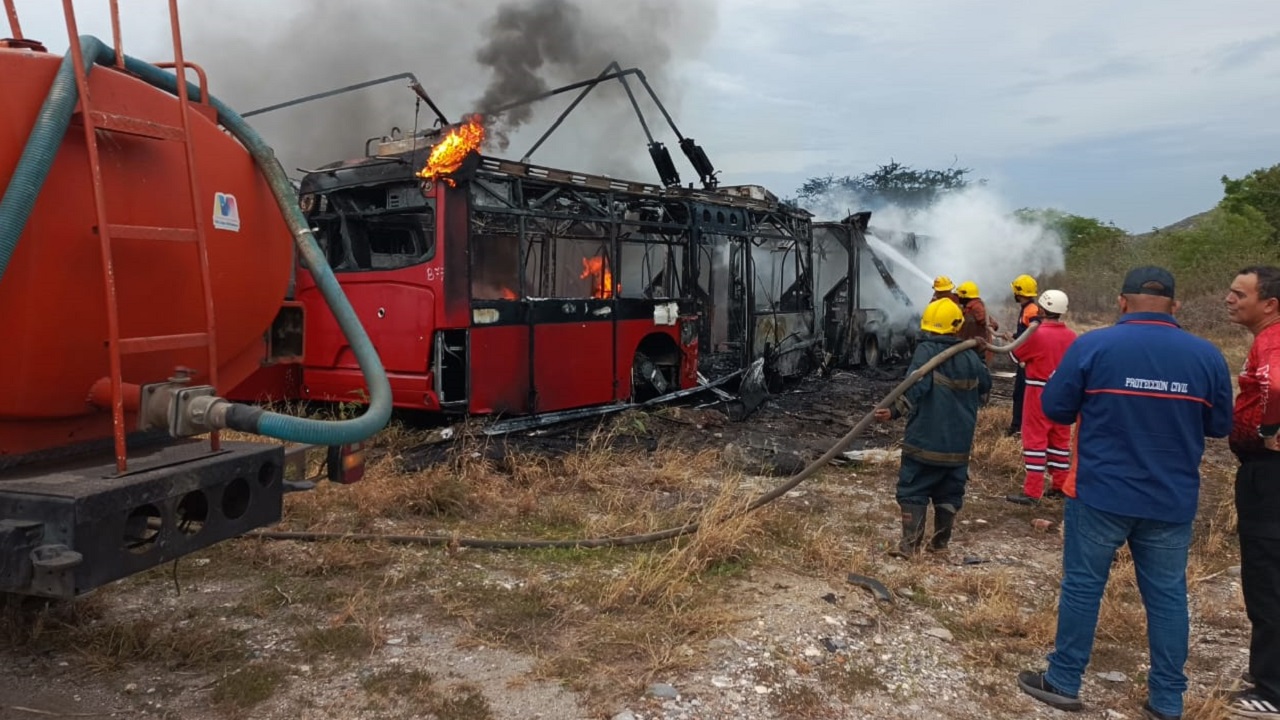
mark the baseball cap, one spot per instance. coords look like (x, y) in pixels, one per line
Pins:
(1148, 280)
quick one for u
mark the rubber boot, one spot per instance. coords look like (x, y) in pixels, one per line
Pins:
(913, 518)
(944, 519)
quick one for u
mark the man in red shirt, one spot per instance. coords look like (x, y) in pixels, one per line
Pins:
(1254, 302)
(1046, 445)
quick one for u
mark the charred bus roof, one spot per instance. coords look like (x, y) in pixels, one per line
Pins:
(400, 167)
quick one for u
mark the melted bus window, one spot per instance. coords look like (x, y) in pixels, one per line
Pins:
(380, 242)
(495, 267)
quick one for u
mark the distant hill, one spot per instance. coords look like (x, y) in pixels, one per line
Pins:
(1186, 223)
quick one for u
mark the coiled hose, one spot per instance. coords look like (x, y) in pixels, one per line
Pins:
(33, 167)
(668, 533)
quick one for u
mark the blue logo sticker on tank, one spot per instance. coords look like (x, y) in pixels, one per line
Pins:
(226, 214)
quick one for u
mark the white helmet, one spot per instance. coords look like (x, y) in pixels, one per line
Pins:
(1053, 301)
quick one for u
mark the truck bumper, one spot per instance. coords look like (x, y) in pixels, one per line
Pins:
(68, 528)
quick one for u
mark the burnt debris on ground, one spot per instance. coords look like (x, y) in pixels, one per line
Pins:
(790, 429)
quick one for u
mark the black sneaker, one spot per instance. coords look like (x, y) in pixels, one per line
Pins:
(1251, 704)
(1052, 494)
(1022, 499)
(1034, 684)
(1151, 713)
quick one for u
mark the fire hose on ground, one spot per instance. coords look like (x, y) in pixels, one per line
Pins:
(658, 535)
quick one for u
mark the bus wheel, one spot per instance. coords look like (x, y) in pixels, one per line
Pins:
(650, 379)
(871, 352)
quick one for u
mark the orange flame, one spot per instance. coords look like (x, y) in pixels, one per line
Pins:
(509, 294)
(447, 155)
(601, 279)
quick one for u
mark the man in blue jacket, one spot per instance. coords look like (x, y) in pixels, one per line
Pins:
(1144, 394)
(942, 412)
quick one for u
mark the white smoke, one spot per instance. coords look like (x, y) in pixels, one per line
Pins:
(973, 234)
(968, 234)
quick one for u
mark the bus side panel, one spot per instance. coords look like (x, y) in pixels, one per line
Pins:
(396, 311)
(410, 391)
(630, 334)
(573, 364)
(500, 369)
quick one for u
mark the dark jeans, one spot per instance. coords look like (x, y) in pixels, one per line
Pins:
(1090, 540)
(1019, 389)
(918, 483)
(1258, 510)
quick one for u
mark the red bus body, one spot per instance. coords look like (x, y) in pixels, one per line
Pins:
(433, 272)
(512, 289)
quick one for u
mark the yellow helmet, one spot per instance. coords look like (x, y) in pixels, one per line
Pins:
(942, 283)
(968, 290)
(1025, 285)
(942, 316)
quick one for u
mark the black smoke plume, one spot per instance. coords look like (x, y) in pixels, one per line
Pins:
(470, 55)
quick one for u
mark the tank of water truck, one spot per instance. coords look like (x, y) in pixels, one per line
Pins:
(53, 308)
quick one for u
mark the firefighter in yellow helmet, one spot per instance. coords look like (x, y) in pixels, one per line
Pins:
(944, 288)
(977, 323)
(1024, 293)
(942, 413)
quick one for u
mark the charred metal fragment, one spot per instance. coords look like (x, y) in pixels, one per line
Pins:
(698, 158)
(504, 427)
(888, 278)
(603, 77)
(413, 85)
(662, 161)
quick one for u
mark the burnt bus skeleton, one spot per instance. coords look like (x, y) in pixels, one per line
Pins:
(511, 288)
(553, 290)
(849, 275)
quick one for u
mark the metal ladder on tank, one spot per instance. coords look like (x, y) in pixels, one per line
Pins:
(109, 233)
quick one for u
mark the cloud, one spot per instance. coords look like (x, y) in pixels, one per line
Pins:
(1112, 69)
(740, 87)
(1043, 119)
(1244, 53)
(806, 87)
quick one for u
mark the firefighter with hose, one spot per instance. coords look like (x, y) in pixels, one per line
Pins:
(1025, 291)
(977, 323)
(1046, 445)
(944, 288)
(942, 412)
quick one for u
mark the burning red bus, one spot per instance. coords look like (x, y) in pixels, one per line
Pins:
(492, 286)
(505, 287)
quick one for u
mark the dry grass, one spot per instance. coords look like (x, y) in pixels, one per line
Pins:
(247, 686)
(996, 459)
(606, 622)
(593, 490)
(668, 577)
(1000, 621)
(849, 679)
(105, 642)
(397, 692)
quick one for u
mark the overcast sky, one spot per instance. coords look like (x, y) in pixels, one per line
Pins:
(1127, 111)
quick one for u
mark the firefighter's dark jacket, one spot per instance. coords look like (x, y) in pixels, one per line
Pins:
(942, 408)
